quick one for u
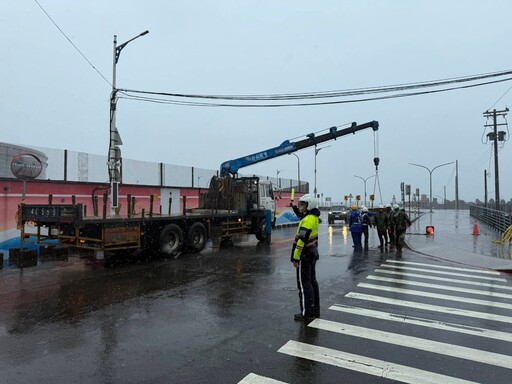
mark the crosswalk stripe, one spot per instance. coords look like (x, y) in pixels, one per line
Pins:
(422, 322)
(466, 353)
(252, 378)
(439, 286)
(367, 365)
(444, 272)
(436, 295)
(448, 279)
(429, 307)
(483, 271)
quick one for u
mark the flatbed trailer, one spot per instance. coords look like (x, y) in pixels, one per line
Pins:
(167, 234)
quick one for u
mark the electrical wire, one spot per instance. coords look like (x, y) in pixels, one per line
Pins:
(127, 95)
(336, 93)
(299, 96)
(71, 42)
(502, 96)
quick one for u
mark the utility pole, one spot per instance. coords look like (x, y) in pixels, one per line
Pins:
(456, 184)
(485, 188)
(114, 152)
(496, 136)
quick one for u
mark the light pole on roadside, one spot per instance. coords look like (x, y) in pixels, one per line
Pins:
(277, 178)
(430, 171)
(316, 153)
(298, 170)
(364, 180)
(114, 152)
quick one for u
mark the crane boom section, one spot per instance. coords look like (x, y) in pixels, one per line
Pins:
(232, 166)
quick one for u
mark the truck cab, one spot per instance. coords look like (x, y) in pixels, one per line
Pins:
(266, 198)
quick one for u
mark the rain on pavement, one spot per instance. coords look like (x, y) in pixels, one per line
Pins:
(227, 316)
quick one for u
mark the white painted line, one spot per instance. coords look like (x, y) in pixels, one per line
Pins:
(418, 343)
(367, 365)
(444, 272)
(252, 378)
(436, 296)
(439, 286)
(484, 271)
(422, 322)
(430, 307)
(449, 279)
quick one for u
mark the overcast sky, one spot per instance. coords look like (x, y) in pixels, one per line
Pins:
(52, 97)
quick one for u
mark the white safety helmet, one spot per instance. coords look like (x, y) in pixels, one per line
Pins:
(396, 207)
(381, 206)
(310, 200)
(388, 205)
(364, 209)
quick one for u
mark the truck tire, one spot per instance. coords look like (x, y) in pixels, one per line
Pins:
(197, 236)
(260, 234)
(171, 239)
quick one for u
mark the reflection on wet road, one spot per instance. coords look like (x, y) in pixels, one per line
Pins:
(227, 316)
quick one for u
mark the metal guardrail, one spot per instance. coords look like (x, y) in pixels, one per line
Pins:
(498, 220)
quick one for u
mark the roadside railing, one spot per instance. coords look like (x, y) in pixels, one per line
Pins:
(498, 220)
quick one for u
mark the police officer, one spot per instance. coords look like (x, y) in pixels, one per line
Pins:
(304, 257)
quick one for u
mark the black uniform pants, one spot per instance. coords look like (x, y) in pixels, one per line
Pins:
(309, 294)
(365, 235)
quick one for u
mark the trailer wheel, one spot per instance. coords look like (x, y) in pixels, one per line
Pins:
(171, 239)
(197, 236)
(260, 234)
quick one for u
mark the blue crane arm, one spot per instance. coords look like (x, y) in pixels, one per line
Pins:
(232, 166)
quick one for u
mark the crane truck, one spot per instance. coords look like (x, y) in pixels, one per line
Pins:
(231, 206)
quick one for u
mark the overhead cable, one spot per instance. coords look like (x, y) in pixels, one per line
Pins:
(176, 98)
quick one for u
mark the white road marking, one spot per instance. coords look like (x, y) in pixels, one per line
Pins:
(252, 378)
(444, 272)
(367, 365)
(484, 271)
(430, 307)
(422, 322)
(446, 349)
(448, 279)
(436, 296)
(439, 286)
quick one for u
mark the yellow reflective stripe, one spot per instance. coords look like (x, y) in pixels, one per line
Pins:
(309, 223)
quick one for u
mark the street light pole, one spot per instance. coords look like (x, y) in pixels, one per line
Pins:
(277, 178)
(298, 169)
(316, 153)
(364, 180)
(430, 171)
(114, 152)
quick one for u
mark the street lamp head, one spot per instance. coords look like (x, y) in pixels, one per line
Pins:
(144, 33)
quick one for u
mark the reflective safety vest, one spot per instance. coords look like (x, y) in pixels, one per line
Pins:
(306, 238)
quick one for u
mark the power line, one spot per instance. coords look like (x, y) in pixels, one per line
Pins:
(298, 96)
(73, 44)
(127, 95)
(337, 93)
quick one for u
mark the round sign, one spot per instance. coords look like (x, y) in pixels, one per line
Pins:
(26, 166)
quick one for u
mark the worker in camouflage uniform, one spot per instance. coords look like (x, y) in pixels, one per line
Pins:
(401, 222)
(382, 224)
(392, 223)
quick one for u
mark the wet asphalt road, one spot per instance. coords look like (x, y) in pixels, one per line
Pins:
(226, 316)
